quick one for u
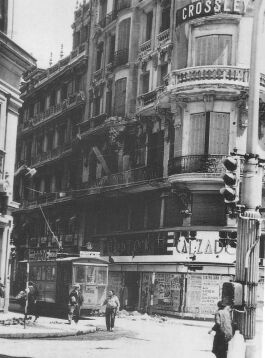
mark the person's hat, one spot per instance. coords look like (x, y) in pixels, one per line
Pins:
(76, 285)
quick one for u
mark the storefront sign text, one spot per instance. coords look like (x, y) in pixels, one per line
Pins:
(207, 8)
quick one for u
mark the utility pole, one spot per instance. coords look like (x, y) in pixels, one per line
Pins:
(247, 256)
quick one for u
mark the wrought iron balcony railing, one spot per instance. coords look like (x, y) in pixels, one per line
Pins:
(68, 103)
(141, 174)
(51, 154)
(205, 163)
(145, 46)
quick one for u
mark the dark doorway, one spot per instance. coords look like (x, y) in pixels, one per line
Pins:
(132, 281)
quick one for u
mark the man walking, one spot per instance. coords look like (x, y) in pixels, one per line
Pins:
(223, 331)
(112, 307)
(75, 302)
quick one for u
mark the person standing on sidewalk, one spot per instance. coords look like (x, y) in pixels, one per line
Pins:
(112, 307)
(33, 295)
(75, 302)
(223, 330)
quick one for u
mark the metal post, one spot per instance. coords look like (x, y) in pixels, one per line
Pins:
(27, 288)
(247, 263)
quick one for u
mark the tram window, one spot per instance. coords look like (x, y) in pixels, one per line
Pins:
(80, 274)
(91, 274)
(48, 273)
(53, 274)
(38, 275)
(43, 273)
(102, 276)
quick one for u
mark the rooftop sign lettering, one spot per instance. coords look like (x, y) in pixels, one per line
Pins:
(203, 8)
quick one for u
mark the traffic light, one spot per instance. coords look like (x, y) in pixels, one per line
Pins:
(231, 179)
(232, 294)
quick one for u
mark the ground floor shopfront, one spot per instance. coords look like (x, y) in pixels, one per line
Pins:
(186, 283)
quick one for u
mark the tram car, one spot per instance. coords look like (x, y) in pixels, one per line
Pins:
(55, 280)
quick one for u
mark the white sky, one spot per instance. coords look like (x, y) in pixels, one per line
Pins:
(41, 26)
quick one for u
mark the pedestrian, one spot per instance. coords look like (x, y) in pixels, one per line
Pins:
(112, 307)
(33, 295)
(76, 300)
(223, 330)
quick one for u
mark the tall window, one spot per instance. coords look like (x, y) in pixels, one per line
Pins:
(149, 25)
(165, 19)
(145, 82)
(120, 97)
(111, 48)
(209, 133)
(213, 50)
(99, 56)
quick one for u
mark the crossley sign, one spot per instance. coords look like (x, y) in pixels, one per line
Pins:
(203, 8)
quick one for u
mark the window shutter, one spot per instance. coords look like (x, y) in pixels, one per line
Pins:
(120, 97)
(219, 133)
(124, 34)
(196, 134)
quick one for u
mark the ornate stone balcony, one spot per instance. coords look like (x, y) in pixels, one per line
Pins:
(72, 101)
(205, 163)
(149, 98)
(98, 75)
(211, 75)
(163, 36)
(145, 48)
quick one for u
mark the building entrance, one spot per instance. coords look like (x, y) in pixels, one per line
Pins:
(132, 282)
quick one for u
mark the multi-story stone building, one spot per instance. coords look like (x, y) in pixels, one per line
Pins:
(128, 136)
(13, 62)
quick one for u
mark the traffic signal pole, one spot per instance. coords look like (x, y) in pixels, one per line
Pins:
(247, 256)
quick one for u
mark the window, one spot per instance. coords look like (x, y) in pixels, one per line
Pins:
(165, 19)
(111, 48)
(120, 97)
(163, 73)
(209, 133)
(145, 82)
(108, 103)
(213, 50)
(149, 24)
(96, 106)
(99, 56)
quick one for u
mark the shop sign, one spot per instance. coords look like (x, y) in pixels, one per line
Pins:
(206, 243)
(86, 254)
(42, 254)
(203, 8)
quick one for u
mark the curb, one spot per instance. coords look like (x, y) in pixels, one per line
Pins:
(29, 335)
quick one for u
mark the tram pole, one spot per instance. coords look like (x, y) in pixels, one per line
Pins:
(247, 254)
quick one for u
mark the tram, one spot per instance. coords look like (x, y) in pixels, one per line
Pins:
(55, 279)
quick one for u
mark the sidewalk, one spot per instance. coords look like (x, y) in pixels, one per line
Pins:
(11, 327)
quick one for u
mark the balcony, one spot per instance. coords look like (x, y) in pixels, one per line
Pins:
(211, 75)
(133, 176)
(98, 75)
(205, 163)
(51, 154)
(69, 103)
(145, 47)
(149, 98)
(93, 122)
(121, 57)
(46, 199)
(163, 36)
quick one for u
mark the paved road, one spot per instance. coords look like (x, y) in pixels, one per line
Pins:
(131, 339)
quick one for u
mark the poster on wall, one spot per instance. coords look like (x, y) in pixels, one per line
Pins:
(115, 282)
(145, 289)
(203, 293)
(168, 291)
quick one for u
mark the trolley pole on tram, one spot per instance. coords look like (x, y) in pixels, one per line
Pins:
(247, 253)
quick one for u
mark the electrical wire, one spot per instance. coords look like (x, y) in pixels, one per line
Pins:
(48, 226)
